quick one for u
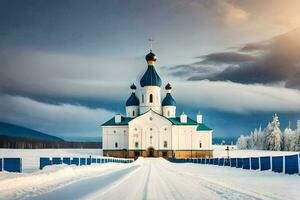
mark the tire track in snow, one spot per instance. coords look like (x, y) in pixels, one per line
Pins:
(221, 190)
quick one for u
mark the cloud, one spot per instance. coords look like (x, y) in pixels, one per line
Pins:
(63, 120)
(231, 14)
(236, 97)
(269, 62)
(226, 57)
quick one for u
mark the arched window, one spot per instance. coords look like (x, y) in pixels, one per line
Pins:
(151, 98)
(136, 144)
(133, 113)
(116, 144)
(143, 98)
(168, 113)
(165, 144)
(200, 145)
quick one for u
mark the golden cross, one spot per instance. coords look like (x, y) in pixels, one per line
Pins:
(150, 43)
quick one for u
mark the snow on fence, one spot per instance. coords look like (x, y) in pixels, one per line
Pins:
(289, 164)
(45, 161)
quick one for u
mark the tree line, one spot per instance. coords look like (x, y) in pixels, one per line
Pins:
(271, 138)
(28, 143)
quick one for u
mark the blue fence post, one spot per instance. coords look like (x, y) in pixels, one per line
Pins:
(227, 162)
(246, 163)
(66, 161)
(233, 162)
(75, 161)
(94, 160)
(98, 160)
(82, 161)
(255, 163)
(44, 162)
(265, 163)
(277, 164)
(89, 161)
(216, 161)
(239, 163)
(211, 161)
(56, 161)
(291, 164)
(12, 164)
(0, 164)
(221, 161)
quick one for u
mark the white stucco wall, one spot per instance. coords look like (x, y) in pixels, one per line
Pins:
(146, 105)
(113, 134)
(150, 130)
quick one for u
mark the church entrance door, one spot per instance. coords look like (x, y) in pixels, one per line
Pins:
(150, 152)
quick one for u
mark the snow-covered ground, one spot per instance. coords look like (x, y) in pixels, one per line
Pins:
(219, 152)
(31, 157)
(149, 178)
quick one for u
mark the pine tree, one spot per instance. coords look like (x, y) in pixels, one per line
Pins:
(273, 135)
(288, 140)
(242, 142)
(296, 141)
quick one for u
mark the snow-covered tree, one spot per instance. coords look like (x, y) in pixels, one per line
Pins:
(273, 135)
(296, 141)
(288, 140)
(242, 142)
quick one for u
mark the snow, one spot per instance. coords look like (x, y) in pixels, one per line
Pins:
(220, 152)
(149, 178)
(31, 157)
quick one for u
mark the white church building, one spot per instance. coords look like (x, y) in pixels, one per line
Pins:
(151, 127)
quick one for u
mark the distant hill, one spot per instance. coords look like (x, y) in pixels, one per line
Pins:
(19, 131)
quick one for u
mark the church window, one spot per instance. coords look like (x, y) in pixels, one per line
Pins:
(143, 98)
(136, 144)
(200, 144)
(116, 144)
(151, 98)
(114, 131)
(168, 113)
(124, 131)
(165, 129)
(135, 129)
(151, 139)
(150, 129)
(165, 144)
(133, 113)
(151, 118)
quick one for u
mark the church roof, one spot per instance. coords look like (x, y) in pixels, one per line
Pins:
(173, 120)
(133, 100)
(168, 100)
(124, 121)
(176, 121)
(203, 127)
(150, 78)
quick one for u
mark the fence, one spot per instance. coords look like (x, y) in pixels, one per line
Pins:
(281, 164)
(45, 161)
(11, 164)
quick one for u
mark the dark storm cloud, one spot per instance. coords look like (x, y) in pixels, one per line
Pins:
(273, 61)
(225, 57)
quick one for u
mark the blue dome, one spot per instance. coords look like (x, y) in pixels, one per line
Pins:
(168, 100)
(150, 78)
(133, 100)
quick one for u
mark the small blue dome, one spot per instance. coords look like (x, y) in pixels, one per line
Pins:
(150, 78)
(168, 100)
(133, 100)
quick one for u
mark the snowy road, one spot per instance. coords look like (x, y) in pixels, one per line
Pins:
(156, 178)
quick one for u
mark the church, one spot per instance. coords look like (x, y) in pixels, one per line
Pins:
(151, 127)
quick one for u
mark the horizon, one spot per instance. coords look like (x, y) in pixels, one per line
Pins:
(66, 66)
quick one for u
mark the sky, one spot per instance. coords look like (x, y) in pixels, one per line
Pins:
(66, 66)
